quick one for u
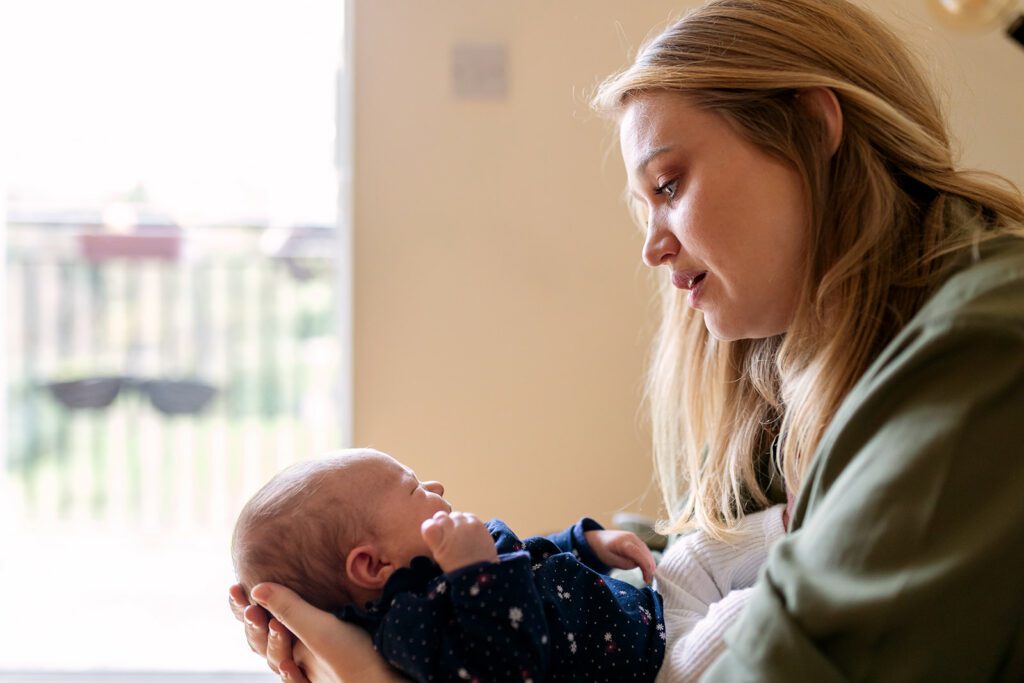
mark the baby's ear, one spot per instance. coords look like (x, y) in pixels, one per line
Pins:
(366, 569)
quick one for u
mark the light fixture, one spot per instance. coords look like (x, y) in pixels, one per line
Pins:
(980, 15)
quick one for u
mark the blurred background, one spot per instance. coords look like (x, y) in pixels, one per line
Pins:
(242, 234)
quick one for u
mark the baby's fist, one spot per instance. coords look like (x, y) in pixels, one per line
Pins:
(457, 540)
(622, 550)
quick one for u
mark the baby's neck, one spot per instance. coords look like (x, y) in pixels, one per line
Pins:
(363, 596)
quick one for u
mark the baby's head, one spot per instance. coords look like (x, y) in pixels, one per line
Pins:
(335, 529)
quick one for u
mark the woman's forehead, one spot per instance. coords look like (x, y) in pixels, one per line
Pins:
(657, 120)
(665, 124)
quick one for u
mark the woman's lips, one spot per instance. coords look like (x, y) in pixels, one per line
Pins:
(692, 280)
(688, 279)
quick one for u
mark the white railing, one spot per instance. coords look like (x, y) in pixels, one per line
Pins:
(154, 392)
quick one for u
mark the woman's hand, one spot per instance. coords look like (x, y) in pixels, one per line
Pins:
(622, 550)
(327, 649)
(324, 649)
(265, 635)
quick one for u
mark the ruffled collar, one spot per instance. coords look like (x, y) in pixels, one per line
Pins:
(418, 577)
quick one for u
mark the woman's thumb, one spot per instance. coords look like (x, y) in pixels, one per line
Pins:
(296, 614)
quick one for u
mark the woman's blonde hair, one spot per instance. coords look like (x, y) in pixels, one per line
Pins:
(886, 213)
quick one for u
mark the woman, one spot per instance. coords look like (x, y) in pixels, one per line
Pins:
(843, 311)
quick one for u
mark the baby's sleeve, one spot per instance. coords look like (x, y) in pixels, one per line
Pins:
(484, 622)
(574, 540)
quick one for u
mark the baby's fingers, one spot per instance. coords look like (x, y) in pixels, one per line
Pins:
(645, 560)
(638, 555)
(435, 529)
(463, 520)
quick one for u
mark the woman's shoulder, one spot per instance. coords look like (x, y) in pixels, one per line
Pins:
(951, 382)
(988, 288)
(980, 305)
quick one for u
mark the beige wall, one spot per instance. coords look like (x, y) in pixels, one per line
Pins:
(501, 312)
(980, 77)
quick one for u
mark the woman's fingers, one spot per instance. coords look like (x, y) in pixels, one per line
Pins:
(300, 665)
(293, 673)
(307, 622)
(266, 636)
(279, 645)
(326, 648)
(237, 601)
(256, 620)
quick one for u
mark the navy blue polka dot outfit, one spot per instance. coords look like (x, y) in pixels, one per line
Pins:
(545, 612)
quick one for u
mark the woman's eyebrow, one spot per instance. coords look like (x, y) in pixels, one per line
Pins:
(651, 156)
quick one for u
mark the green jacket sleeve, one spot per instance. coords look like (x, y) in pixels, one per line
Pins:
(906, 562)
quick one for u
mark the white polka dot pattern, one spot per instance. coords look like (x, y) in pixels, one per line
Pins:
(540, 614)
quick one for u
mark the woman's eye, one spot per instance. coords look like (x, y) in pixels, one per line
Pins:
(668, 188)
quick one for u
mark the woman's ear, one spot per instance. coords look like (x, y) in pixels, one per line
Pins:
(366, 568)
(824, 104)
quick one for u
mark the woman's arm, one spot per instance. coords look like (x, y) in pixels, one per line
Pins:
(705, 584)
(326, 649)
(906, 559)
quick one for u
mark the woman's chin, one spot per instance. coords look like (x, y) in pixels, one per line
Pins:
(718, 328)
(723, 331)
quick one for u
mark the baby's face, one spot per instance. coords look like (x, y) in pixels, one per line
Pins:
(402, 503)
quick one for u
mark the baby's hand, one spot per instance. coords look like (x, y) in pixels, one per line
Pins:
(622, 550)
(457, 540)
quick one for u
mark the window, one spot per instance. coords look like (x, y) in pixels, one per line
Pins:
(175, 331)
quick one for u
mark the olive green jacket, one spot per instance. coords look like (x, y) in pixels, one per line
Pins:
(905, 560)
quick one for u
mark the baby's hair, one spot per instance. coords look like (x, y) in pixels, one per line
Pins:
(297, 532)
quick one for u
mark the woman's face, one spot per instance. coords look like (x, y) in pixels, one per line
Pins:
(725, 219)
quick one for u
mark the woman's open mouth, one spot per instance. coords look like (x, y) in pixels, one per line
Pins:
(688, 279)
(692, 281)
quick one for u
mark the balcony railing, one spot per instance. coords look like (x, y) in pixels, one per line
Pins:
(151, 389)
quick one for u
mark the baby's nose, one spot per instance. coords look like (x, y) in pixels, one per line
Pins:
(434, 487)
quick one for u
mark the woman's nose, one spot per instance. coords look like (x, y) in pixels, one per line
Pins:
(660, 246)
(434, 487)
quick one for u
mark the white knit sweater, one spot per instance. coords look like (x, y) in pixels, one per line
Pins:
(705, 584)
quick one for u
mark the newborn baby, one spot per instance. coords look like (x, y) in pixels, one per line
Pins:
(445, 596)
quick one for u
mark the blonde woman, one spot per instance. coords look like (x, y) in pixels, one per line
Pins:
(843, 327)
